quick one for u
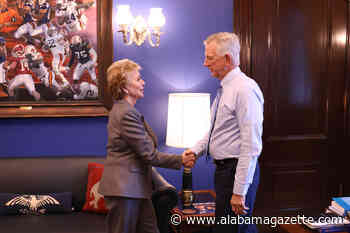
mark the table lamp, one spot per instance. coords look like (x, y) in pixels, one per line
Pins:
(188, 121)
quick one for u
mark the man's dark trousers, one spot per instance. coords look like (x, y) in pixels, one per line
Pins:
(224, 180)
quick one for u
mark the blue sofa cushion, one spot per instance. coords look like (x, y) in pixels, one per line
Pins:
(32, 204)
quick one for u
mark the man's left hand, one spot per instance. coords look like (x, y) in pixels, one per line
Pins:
(238, 204)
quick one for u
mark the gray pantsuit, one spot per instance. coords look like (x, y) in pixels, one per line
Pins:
(136, 215)
(127, 178)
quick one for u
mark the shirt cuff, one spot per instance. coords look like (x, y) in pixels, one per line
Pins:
(196, 151)
(240, 189)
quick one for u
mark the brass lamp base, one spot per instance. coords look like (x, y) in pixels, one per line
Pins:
(187, 193)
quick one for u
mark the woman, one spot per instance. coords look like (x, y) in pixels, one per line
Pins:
(127, 178)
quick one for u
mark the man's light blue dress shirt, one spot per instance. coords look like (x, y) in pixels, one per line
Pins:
(238, 127)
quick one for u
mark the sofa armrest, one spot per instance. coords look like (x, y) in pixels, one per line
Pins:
(164, 198)
(162, 190)
(167, 198)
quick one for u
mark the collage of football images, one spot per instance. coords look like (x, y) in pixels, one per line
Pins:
(48, 50)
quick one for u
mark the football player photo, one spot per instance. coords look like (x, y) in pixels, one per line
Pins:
(48, 50)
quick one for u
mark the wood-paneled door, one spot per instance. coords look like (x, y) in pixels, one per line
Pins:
(298, 52)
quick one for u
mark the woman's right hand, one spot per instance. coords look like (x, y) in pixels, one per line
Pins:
(188, 158)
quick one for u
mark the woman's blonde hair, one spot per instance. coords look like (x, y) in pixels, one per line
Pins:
(117, 77)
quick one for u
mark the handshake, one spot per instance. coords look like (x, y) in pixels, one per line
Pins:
(188, 158)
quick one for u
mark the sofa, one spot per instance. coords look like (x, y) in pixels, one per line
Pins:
(45, 175)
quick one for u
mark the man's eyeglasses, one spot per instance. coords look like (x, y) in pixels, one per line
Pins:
(212, 59)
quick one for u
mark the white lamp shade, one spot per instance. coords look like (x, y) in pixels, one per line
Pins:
(124, 16)
(156, 18)
(188, 118)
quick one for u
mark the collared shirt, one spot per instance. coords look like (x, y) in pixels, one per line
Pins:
(238, 127)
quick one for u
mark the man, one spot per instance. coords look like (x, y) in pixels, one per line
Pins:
(86, 57)
(23, 75)
(70, 15)
(27, 10)
(88, 90)
(35, 62)
(234, 140)
(59, 47)
(42, 15)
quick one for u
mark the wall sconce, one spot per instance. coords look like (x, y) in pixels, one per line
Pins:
(188, 121)
(136, 29)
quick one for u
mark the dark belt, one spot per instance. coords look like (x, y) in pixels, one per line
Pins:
(222, 162)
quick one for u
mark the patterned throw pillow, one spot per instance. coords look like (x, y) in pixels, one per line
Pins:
(35, 204)
(94, 201)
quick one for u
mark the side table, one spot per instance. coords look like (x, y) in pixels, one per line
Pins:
(179, 219)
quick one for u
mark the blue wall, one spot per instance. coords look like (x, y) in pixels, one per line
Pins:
(176, 66)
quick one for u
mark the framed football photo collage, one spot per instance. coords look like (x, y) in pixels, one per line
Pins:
(53, 57)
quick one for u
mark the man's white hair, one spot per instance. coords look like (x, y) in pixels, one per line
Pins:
(226, 43)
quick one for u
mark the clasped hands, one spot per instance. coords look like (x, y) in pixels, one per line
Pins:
(237, 201)
(188, 158)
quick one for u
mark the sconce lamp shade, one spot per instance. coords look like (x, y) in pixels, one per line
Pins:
(124, 16)
(156, 18)
(137, 30)
(188, 118)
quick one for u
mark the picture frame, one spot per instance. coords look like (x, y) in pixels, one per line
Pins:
(81, 108)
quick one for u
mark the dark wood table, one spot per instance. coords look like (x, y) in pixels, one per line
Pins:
(200, 196)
